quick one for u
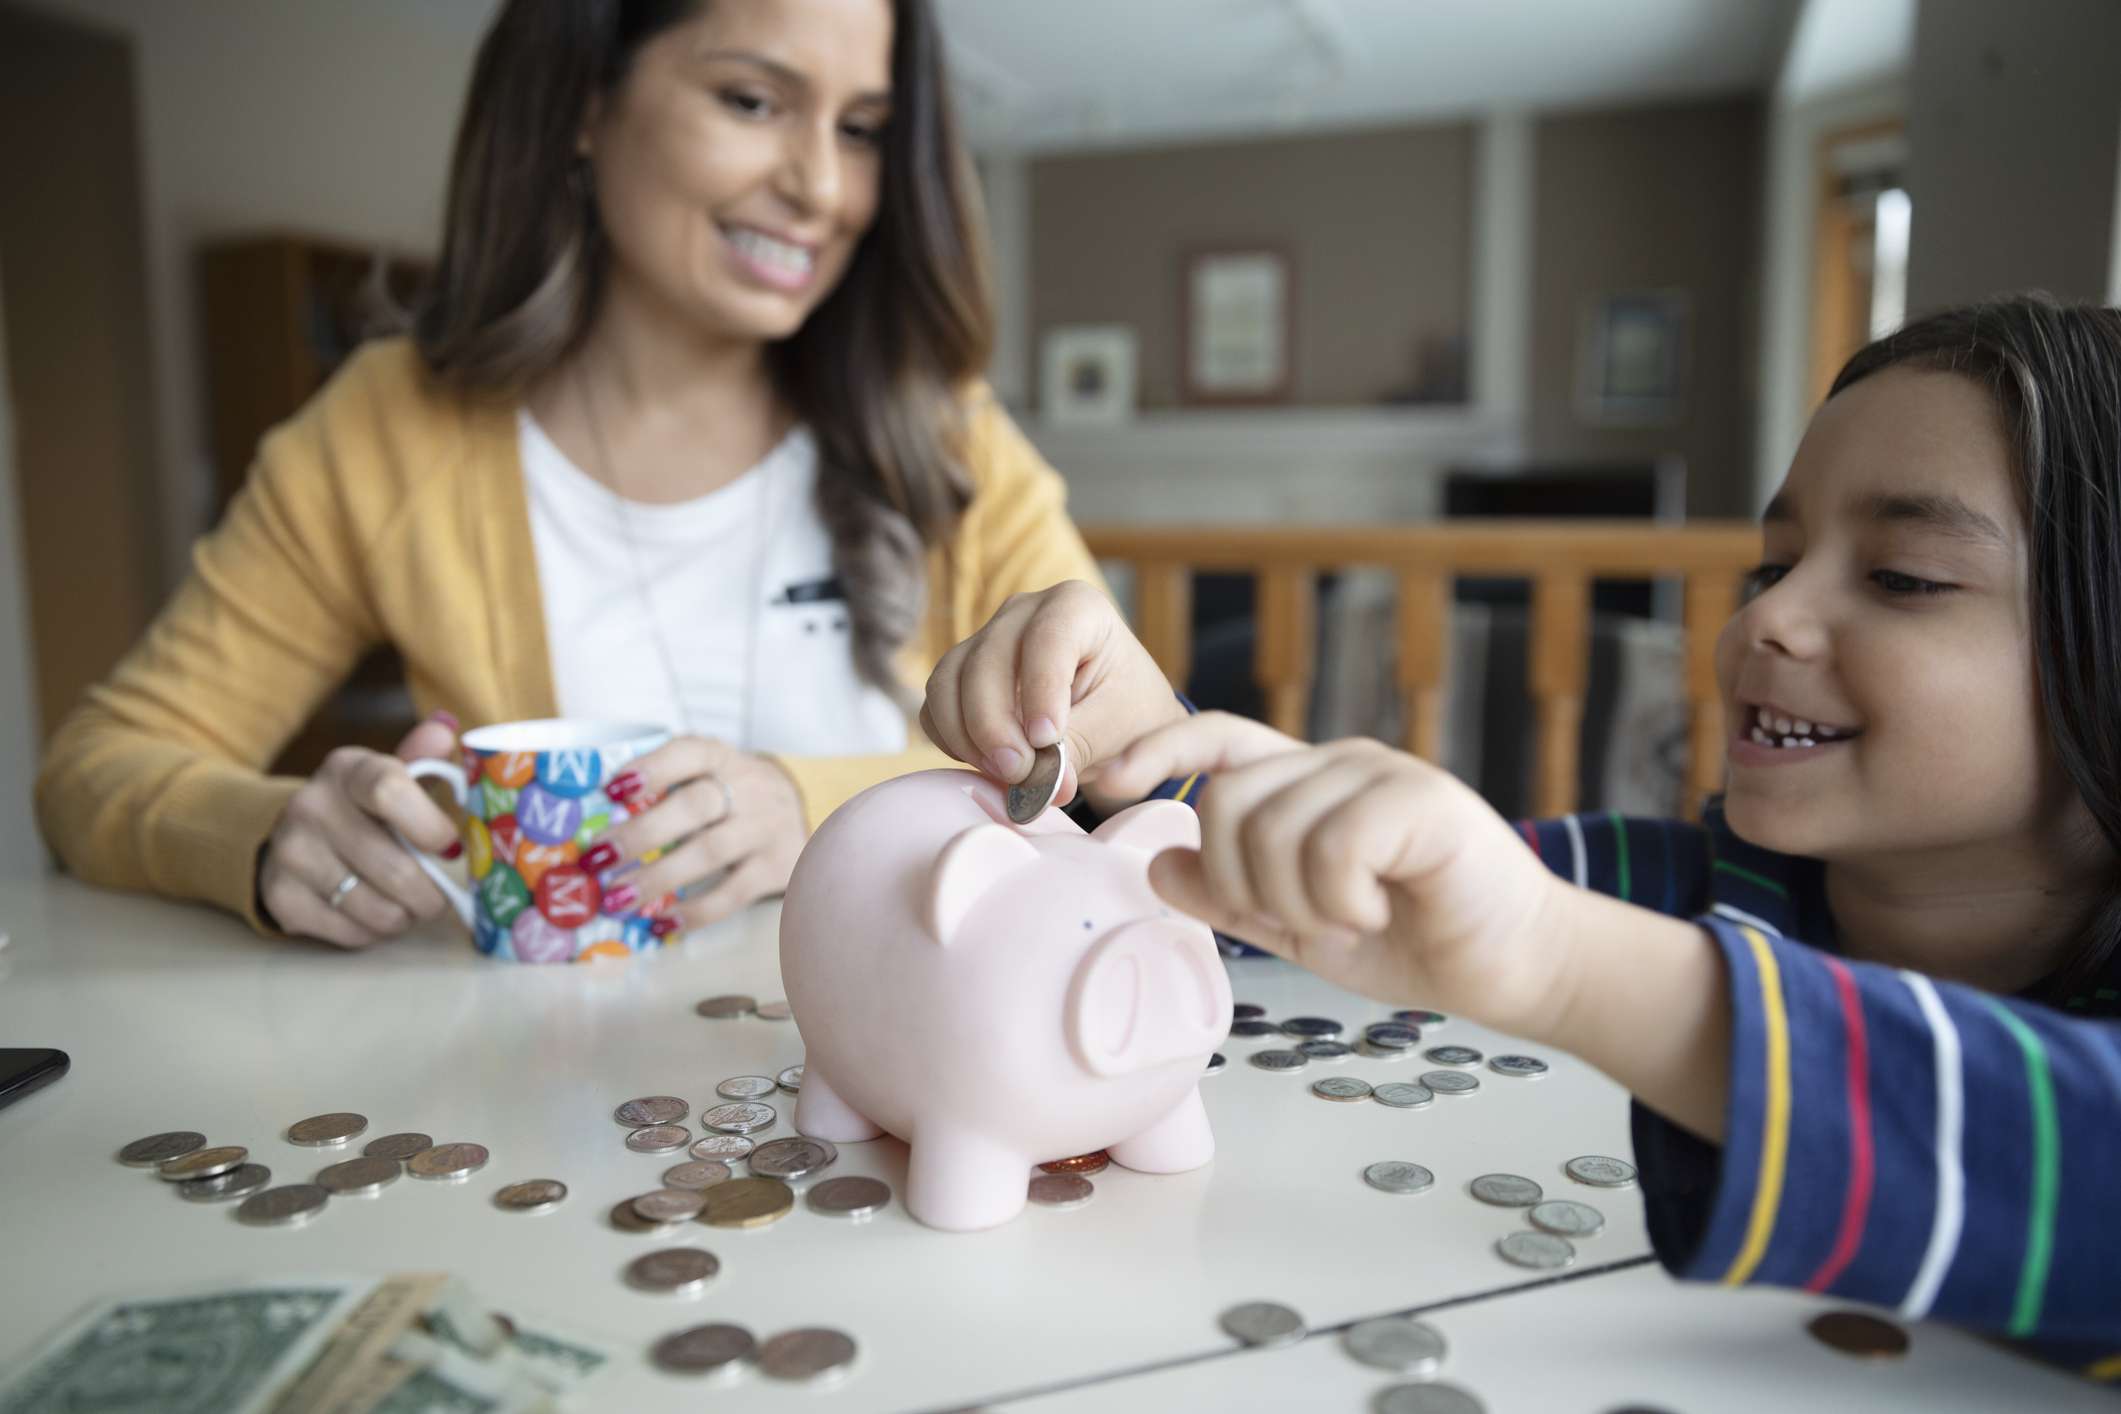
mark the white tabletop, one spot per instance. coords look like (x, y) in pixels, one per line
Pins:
(177, 1018)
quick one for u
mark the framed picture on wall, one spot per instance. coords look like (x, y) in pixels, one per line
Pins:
(1237, 325)
(1632, 363)
(1086, 375)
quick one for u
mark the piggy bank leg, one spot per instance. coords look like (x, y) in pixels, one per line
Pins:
(962, 1182)
(1181, 1140)
(820, 1113)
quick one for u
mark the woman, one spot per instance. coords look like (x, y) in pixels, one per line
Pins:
(687, 430)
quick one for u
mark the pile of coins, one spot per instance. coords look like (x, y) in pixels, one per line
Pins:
(811, 1355)
(1396, 1039)
(1410, 1348)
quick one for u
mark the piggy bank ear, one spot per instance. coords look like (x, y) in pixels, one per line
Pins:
(1152, 827)
(969, 866)
(1152, 992)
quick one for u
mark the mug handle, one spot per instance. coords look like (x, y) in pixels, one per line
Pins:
(455, 892)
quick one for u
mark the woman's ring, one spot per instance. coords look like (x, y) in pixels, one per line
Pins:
(346, 886)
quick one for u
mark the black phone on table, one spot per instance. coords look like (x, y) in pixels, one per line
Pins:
(22, 1071)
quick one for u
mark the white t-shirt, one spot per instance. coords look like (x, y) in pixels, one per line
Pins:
(740, 586)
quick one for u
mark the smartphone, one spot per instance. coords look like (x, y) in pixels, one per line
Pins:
(22, 1071)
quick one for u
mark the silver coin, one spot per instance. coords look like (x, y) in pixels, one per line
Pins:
(1505, 1190)
(1541, 1251)
(1518, 1067)
(1061, 1190)
(809, 1356)
(1215, 1064)
(789, 1158)
(1419, 1016)
(790, 1079)
(1395, 1176)
(160, 1148)
(1382, 1053)
(775, 1011)
(1246, 1011)
(1392, 1036)
(727, 1008)
(1253, 1027)
(696, 1174)
(658, 1138)
(741, 1118)
(1403, 1096)
(289, 1205)
(535, 1195)
(1601, 1172)
(1453, 1055)
(1260, 1323)
(674, 1271)
(1397, 1344)
(1343, 1088)
(397, 1146)
(1565, 1218)
(1450, 1082)
(1322, 1050)
(238, 1182)
(746, 1087)
(1312, 1028)
(326, 1131)
(703, 1350)
(670, 1205)
(1279, 1060)
(727, 1147)
(448, 1162)
(202, 1163)
(850, 1197)
(1029, 797)
(1427, 1399)
(651, 1109)
(358, 1178)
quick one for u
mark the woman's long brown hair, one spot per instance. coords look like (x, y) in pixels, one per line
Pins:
(879, 370)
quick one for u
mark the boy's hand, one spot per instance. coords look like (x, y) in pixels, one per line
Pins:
(1057, 664)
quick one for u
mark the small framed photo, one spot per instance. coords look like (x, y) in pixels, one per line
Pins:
(1239, 325)
(1632, 365)
(1087, 375)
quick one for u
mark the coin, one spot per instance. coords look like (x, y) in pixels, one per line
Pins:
(1600, 1172)
(1450, 1082)
(790, 1158)
(1402, 1096)
(1392, 1036)
(744, 1118)
(239, 1182)
(1245, 1011)
(790, 1079)
(1215, 1064)
(1541, 1251)
(1518, 1067)
(748, 1202)
(1382, 1053)
(358, 1178)
(726, 1008)
(1419, 1016)
(726, 1147)
(1084, 1164)
(1395, 1176)
(448, 1161)
(160, 1148)
(658, 1138)
(675, 1271)
(1344, 1088)
(1311, 1028)
(815, 1354)
(746, 1087)
(1279, 1060)
(1254, 1027)
(703, 1350)
(1029, 797)
(289, 1205)
(1061, 1190)
(1856, 1333)
(625, 1219)
(202, 1163)
(1322, 1050)
(1505, 1190)
(397, 1146)
(325, 1131)
(651, 1109)
(670, 1205)
(535, 1195)
(696, 1174)
(775, 1011)
(1263, 1323)
(1565, 1218)
(1452, 1055)
(1397, 1344)
(850, 1197)
(1429, 1398)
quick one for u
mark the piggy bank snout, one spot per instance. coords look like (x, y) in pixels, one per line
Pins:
(1152, 992)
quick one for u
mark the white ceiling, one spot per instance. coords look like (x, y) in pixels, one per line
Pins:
(1047, 74)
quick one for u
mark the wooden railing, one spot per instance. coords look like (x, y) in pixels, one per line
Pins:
(1560, 559)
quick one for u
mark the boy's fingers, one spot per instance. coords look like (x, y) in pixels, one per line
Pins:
(1178, 878)
(1212, 741)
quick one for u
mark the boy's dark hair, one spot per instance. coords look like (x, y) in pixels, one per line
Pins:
(2055, 373)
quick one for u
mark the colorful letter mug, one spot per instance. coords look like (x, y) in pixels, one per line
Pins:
(534, 801)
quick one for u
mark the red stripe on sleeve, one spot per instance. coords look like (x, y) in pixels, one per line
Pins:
(1531, 837)
(1855, 1207)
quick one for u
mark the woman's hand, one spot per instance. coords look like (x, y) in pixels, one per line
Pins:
(1058, 664)
(333, 830)
(702, 808)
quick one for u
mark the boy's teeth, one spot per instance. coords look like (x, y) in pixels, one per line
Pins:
(1803, 728)
(1782, 724)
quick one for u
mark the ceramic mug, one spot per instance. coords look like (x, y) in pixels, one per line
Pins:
(535, 799)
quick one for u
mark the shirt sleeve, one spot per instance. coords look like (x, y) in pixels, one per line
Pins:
(1905, 1142)
(1657, 864)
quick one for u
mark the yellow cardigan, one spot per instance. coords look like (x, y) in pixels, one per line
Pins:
(390, 510)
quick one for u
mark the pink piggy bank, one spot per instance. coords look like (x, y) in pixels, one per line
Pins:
(998, 996)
